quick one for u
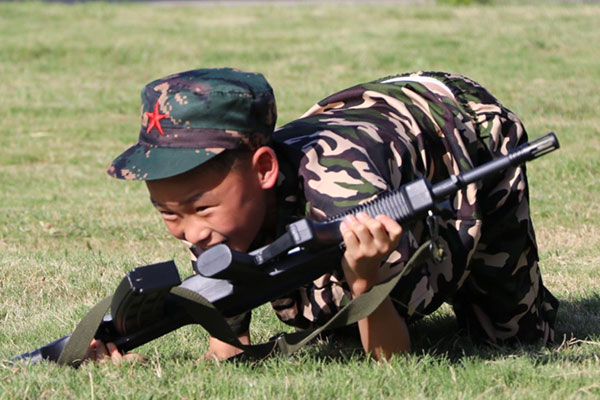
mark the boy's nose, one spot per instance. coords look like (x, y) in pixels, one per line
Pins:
(197, 235)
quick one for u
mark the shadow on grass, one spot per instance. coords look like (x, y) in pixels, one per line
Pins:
(579, 317)
(578, 323)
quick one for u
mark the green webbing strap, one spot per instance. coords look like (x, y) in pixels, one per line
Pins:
(205, 314)
(82, 336)
(357, 309)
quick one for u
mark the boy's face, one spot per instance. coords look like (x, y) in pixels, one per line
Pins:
(207, 207)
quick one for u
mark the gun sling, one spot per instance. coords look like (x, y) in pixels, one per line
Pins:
(205, 314)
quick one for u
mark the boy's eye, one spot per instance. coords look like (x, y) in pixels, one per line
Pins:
(201, 208)
(168, 215)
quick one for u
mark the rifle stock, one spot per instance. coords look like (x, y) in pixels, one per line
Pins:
(142, 308)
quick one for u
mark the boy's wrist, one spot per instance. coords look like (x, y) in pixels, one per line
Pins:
(360, 279)
(362, 285)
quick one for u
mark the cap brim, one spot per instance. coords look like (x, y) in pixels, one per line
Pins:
(145, 163)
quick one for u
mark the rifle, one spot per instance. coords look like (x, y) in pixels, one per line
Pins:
(143, 307)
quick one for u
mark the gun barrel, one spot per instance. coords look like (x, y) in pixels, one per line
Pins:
(51, 352)
(526, 152)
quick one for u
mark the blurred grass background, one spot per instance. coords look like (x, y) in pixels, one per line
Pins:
(69, 103)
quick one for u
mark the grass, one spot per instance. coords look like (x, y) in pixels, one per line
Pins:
(71, 77)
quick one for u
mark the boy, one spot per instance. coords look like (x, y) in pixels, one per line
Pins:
(218, 174)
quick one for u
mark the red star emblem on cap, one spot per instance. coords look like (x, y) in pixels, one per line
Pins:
(154, 119)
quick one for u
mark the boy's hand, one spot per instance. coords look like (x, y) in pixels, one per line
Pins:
(368, 242)
(218, 350)
(99, 352)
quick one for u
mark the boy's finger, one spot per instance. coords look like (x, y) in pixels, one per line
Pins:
(376, 229)
(113, 352)
(91, 351)
(348, 234)
(359, 225)
(379, 236)
(393, 228)
(101, 352)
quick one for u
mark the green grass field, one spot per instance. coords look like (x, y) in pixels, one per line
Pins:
(70, 78)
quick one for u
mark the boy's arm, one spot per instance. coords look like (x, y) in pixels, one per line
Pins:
(384, 332)
(368, 242)
(221, 351)
(100, 352)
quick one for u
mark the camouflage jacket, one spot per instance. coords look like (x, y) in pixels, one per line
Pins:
(376, 136)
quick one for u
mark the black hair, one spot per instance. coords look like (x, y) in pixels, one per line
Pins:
(228, 159)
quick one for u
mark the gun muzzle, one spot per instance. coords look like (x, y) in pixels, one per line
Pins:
(534, 149)
(518, 156)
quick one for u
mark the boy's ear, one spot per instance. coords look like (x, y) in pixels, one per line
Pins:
(266, 165)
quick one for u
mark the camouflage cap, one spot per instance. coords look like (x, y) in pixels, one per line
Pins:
(190, 117)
